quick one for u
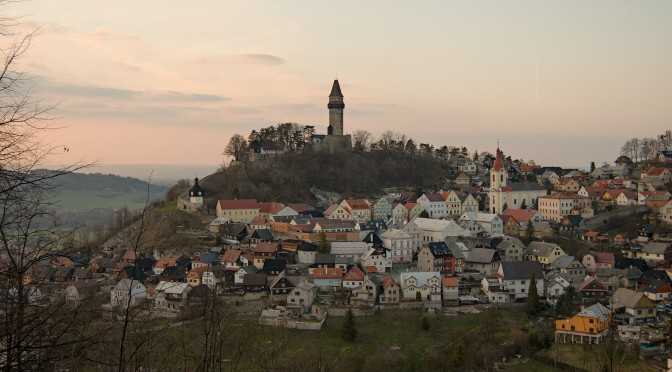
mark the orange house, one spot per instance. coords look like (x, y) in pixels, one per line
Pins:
(588, 326)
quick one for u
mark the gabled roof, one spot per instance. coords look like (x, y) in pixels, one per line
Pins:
(659, 286)
(254, 280)
(355, 273)
(389, 280)
(540, 249)
(450, 282)
(265, 247)
(483, 255)
(592, 285)
(328, 273)
(595, 311)
(516, 270)
(262, 234)
(274, 264)
(564, 262)
(521, 215)
(656, 248)
(434, 197)
(231, 256)
(628, 298)
(439, 250)
(228, 204)
(357, 204)
(604, 257)
(271, 207)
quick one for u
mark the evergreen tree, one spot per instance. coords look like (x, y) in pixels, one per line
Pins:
(322, 245)
(505, 207)
(349, 331)
(533, 305)
(423, 214)
(425, 323)
(529, 231)
(523, 205)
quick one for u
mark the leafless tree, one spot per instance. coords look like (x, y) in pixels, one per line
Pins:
(361, 140)
(237, 148)
(33, 334)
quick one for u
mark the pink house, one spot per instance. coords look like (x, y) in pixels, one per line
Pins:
(599, 260)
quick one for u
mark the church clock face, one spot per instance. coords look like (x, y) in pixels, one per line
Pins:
(199, 193)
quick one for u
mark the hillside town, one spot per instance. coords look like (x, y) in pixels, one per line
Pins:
(485, 242)
(591, 248)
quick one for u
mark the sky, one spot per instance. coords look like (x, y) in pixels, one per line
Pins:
(168, 82)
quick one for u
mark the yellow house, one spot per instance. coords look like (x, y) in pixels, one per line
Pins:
(243, 210)
(588, 326)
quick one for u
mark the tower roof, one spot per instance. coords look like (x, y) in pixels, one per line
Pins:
(196, 189)
(498, 165)
(336, 90)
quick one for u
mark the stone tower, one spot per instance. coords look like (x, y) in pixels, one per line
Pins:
(336, 107)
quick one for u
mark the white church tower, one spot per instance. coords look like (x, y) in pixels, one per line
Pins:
(498, 177)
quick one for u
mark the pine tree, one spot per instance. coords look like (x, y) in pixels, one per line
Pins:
(424, 324)
(349, 330)
(529, 231)
(533, 305)
(322, 245)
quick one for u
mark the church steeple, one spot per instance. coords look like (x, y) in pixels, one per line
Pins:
(336, 107)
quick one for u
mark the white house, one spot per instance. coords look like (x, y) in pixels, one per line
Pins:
(425, 283)
(434, 204)
(128, 290)
(491, 223)
(373, 258)
(400, 245)
(517, 275)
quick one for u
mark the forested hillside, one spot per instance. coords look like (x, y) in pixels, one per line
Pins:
(289, 178)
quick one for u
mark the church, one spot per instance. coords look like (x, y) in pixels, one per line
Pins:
(510, 194)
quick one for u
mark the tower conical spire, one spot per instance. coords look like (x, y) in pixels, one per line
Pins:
(336, 90)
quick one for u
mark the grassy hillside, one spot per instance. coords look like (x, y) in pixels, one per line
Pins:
(91, 198)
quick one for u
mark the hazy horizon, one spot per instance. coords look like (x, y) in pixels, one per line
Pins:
(562, 83)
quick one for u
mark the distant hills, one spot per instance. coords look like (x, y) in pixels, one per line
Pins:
(91, 198)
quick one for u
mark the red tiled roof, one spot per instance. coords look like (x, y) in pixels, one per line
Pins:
(328, 273)
(299, 207)
(357, 204)
(265, 247)
(164, 262)
(271, 207)
(521, 215)
(389, 280)
(371, 269)
(498, 161)
(435, 197)
(604, 257)
(355, 273)
(238, 204)
(231, 256)
(595, 190)
(410, 206)
(450, 282)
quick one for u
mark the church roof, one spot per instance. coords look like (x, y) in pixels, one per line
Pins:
(336, 90)
(196, 190)
(498, 161)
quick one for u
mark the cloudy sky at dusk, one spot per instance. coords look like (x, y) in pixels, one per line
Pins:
(165, 81)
